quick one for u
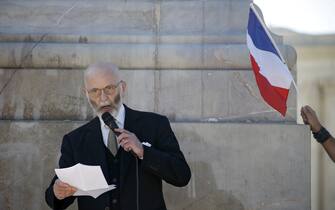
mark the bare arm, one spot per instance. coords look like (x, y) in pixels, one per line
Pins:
(329, 146)
(310, 118)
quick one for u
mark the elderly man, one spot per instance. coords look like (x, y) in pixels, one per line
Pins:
(136, 168)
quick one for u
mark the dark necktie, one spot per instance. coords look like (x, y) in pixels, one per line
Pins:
(112, 144)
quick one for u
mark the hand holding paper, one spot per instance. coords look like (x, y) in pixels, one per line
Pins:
(63, 190)
(89, 180)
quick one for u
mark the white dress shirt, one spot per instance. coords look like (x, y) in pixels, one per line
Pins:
(119, 121)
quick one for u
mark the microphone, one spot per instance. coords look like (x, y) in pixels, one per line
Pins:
(110, 122)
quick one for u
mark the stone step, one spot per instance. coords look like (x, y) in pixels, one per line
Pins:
(224, 38)
(131, 56)
(182, 95)
(234, 166)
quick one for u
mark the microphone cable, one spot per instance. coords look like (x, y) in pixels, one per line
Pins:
(137, 185)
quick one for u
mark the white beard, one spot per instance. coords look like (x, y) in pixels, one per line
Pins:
(114, 112)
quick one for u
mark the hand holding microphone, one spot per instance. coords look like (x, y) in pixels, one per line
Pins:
(127, 140)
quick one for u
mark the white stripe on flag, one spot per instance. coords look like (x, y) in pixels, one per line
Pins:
(271, 67)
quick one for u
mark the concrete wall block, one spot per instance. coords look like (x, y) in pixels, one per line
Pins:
(222, 38)
(29, 152)
(237, 97)
(99, 17)
(216, 56)
(191, 95)
(234, 166)
(151, 56)
(75, 55)
(180, 94)
(58, 94)
(216, 96)
(181, 17)
(141, 89)
(79, 17)
(223, 16)
(180, 56)
(69, 56)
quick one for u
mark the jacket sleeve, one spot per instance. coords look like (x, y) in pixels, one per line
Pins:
(165, 158)
(66, 160)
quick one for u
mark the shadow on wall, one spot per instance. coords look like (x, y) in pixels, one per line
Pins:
(201, 193)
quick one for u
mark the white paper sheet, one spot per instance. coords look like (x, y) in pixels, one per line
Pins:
(94, 193)
(89, 180)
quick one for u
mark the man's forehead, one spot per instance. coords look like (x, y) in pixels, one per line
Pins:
(102, 69)
(101, 75)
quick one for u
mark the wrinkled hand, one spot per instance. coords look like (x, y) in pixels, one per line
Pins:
(129, 141)
(63, 190)
(310, 118)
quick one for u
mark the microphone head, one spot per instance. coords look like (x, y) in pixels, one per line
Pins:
(107, 118)
(109, 121)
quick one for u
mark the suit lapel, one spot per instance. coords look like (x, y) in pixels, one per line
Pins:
(96, 145)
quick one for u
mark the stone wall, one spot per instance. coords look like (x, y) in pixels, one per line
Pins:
(235, 166)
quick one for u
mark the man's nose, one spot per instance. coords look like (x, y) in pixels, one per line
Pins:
(103, 96)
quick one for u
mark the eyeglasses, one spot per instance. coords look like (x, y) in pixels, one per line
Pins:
(108, 90)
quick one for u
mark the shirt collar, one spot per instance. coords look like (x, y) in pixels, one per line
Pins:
(119, 118)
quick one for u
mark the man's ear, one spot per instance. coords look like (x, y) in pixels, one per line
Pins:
(124, 88)
(84, 91)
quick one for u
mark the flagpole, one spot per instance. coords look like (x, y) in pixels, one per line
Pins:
(274, 43)
(296, 87)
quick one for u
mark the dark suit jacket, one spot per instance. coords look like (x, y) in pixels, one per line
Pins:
(162, 161)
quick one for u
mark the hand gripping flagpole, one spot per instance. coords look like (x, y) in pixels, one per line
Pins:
(274, 43)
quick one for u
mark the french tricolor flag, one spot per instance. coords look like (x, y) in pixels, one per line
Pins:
(272, 74)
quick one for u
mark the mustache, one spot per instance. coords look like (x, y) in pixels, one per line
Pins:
(111, 106)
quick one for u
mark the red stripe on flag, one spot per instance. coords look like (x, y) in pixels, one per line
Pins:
(274, 96)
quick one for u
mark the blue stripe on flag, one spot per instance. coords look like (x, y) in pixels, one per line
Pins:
(258, 35)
